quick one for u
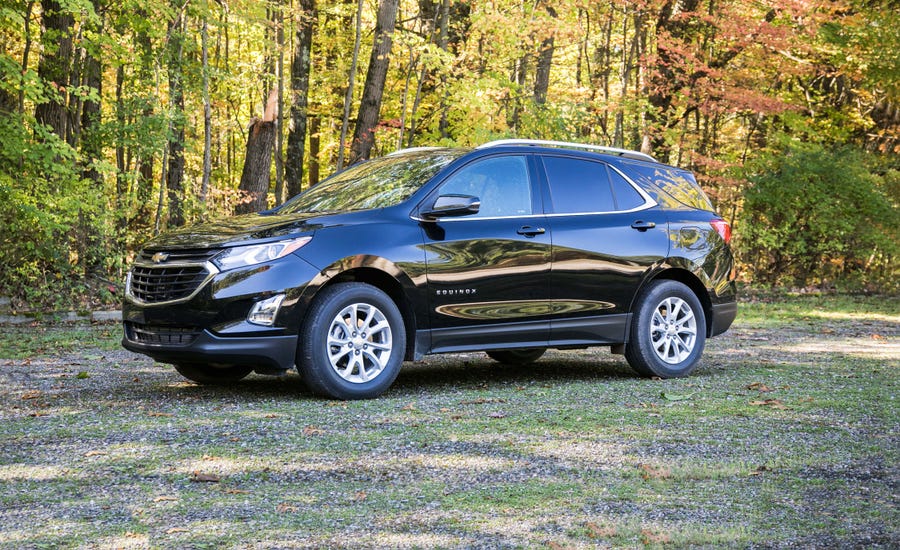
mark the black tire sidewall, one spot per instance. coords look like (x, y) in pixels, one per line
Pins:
(313, 361)
(639, 351)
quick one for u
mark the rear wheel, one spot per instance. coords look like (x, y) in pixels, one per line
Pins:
(668, 331)
(516, 356)
(212, 376)
(352, 342)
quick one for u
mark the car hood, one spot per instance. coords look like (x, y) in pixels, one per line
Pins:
(241, 230)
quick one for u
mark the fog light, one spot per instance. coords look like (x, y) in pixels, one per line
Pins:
(264, 311)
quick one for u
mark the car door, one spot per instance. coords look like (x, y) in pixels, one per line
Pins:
(488, 272)
(607, 235)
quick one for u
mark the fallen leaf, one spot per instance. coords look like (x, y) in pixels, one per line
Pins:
(760, 387)
(760, 469)
(311, 430)
(38, 413)
(174, 530)
(236, 492)
(773, 403)
(481, 401)
(211, 458)
(360, 496)
(878, 337)
(595, 531)
(284, 508)
(271, 415)
(34, 394)
(652, 472)
(199, 477)
(159, 414)
(410, 407)
(165, 498)
(650, 537)
(555, 546)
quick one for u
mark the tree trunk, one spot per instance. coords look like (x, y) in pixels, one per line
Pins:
(175, 172)
(348, 97)
(278, 16)
(55, 66)
(444, 43)
(207, 110)
(258, 162)
(373, 91)
(545, 61)
(300, 72)
(314, 140)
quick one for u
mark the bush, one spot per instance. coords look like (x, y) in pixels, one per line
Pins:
(814, 215)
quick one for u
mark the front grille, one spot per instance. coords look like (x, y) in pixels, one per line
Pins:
(153, 334)
(152, 285)
(190, 255)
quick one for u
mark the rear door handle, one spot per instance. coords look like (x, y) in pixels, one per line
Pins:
(529, 231)
(641, 225)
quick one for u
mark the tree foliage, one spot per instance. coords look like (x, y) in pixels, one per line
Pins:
(105, 108)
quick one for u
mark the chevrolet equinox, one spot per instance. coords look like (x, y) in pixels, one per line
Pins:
(510, 248)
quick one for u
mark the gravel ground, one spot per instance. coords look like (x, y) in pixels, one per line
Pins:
(786, 437)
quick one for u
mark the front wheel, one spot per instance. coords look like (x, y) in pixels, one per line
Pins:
(668, 331)
(212, 376)
(352, 342)
(516, 356)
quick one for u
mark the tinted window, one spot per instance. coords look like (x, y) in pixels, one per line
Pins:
(627, 197)
(502, 184)
(375, 183)
(578, 185)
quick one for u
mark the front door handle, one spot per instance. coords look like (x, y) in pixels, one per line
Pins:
(641, 225)
(529, 231)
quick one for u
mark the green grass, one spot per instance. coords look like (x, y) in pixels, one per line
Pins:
(572, 451)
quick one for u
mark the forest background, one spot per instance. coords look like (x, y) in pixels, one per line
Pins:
(121, 119)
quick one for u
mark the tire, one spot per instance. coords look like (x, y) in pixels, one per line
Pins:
(212, 376)
(661, 345)
(516, 356)
(337, 362)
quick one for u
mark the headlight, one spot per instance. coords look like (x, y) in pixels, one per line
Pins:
(241, 256)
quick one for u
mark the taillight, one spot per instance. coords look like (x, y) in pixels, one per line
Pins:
(723, 228)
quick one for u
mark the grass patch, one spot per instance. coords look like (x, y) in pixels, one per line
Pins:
(786, 436)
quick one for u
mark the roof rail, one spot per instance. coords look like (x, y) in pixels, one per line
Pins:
(627, 153)
(411, 150)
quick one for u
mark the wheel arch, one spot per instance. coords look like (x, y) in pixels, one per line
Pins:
(395, 283)
(693, 282)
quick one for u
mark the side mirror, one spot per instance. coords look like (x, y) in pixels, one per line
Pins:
(451, 206)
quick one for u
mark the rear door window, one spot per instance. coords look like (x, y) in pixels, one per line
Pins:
(579, 186)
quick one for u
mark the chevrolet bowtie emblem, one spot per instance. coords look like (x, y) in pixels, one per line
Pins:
(160, 257)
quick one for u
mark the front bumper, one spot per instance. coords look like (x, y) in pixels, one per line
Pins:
(211, 327)
(259, 352)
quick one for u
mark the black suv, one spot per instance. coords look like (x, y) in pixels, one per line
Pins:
(513, 247)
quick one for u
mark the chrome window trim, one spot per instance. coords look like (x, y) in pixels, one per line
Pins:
(211, 269)
(472, 217)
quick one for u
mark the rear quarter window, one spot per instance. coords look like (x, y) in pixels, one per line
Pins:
(669, 186)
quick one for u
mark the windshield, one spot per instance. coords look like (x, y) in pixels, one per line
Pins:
(377, 183)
